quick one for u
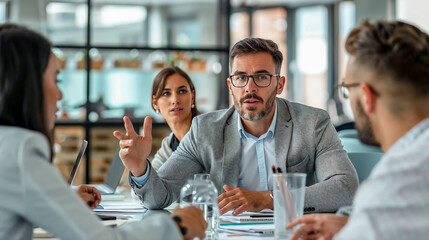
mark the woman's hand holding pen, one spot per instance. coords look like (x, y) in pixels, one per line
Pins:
(89, 194)
(191, 222)
(135, 148)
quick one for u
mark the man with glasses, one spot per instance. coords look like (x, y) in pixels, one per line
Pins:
(387, 80)
(237, 146)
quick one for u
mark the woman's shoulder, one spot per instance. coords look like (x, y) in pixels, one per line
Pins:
(19, 134)
(17, 137)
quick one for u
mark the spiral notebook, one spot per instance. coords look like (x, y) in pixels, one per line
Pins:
(264, 217)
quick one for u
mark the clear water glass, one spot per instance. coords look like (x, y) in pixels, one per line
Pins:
(203, 194)
(289, 194)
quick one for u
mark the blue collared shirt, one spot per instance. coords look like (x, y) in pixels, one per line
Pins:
(257, 156)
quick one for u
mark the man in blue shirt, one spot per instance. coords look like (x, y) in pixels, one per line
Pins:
(237, 146)
(387, 79)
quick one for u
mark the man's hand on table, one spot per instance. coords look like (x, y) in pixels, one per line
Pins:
(243, 200)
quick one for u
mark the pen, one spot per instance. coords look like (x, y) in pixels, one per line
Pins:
(236, 235)
(261, 216)
(284, 194)
(273, 168)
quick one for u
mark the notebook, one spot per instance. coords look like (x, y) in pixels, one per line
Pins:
(263, 217)
(113, 177)
(77, 162)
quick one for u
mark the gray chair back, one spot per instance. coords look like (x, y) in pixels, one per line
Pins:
(364, 162)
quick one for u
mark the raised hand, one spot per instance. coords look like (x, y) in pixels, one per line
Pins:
(317, 226)
(243, 200)
(191, 219)
(135, 148)
(89, 194)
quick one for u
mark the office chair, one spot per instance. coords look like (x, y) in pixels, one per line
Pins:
(348, 133)
(354, 145)
(364, 162)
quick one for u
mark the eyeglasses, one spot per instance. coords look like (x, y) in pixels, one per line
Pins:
(260, 80)
(344, 88)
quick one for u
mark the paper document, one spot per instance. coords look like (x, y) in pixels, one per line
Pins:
(112, 197)
(254, 230)
(263, 217)
(120, 207)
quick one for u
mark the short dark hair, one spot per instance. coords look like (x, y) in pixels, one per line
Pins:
(159, 84)
(257, 45)
(24, 57)
(394, 49)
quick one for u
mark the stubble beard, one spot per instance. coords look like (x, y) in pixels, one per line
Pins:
(364, 127)
(254, 116)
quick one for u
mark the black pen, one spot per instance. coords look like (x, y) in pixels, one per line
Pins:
(261, 216)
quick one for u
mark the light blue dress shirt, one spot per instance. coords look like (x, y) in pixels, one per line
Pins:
(141, 181)
(257, 157)
(393, 203)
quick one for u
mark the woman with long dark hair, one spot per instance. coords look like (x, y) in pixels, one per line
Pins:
(32, 191)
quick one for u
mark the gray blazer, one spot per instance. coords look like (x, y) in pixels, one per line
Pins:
(306, 142)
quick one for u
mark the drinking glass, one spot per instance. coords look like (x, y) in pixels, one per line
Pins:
(203, 194)
(289, 192)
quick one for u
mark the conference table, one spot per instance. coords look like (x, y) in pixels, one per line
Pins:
(40, 234)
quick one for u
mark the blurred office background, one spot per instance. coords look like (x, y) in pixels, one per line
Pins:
(110, 50)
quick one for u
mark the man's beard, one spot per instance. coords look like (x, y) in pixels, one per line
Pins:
(254, 116)
(364, 127)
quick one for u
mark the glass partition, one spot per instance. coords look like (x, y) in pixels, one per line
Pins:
(66, 22)
(177, 24)
(310, 84)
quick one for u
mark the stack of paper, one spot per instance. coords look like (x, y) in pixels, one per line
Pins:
(263, 217)
(120, 208)
(255, 230)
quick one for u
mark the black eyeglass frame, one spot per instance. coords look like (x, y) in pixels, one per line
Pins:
(344, 88)
(253, 78)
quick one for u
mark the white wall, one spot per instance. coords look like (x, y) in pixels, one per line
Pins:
(414, 11)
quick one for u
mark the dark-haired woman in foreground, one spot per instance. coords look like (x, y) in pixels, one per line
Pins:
(32, 191)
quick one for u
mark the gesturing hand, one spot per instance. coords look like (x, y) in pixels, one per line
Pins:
(89, 194)
(135, 148)
(191, 219)
(243, 200)
(317, 226)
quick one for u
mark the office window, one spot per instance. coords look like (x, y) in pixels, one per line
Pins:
(347, 20)
(114, 24)
(310, 84)
(239, 26)
(66, 22)
(2, 12)
(271, 24)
